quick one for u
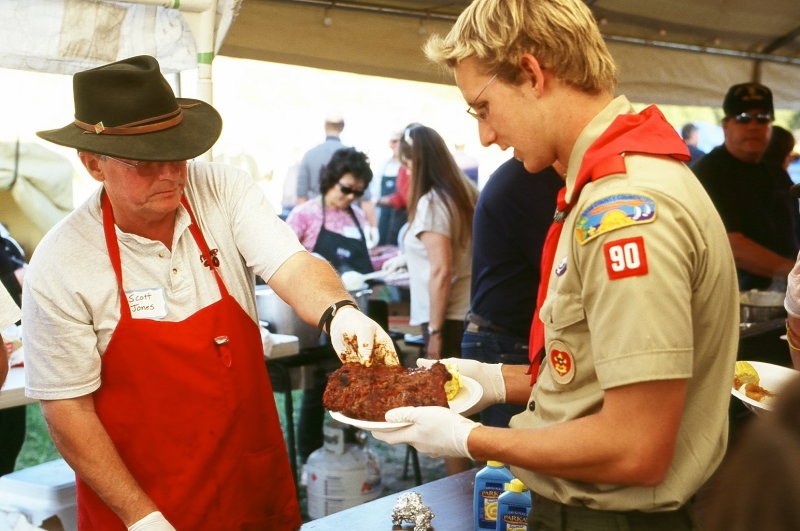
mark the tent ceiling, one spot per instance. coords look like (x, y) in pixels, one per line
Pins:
(669, 51)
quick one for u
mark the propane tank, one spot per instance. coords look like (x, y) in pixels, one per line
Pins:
(341, 474)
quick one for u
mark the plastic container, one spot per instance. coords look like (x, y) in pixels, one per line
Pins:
(513, 507)
(489, 485)
(42, 491)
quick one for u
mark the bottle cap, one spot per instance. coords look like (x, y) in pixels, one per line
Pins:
(495, 464)
(515, 485)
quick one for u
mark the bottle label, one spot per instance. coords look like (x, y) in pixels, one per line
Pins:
(487, 504)
(515, 519)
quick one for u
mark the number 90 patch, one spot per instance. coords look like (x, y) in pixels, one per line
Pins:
(625, 258)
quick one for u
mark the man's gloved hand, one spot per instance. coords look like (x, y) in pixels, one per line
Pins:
(435, 431)
(396, 264)
(792, 300)
(488, 375)
(154, 521)
(357, 338)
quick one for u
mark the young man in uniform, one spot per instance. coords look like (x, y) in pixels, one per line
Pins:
(635, 342)
(141, 336)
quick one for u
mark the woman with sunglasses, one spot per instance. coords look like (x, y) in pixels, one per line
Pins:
(332, 225)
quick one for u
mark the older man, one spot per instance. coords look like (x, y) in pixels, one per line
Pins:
(639, 322)
(141, 337)
(760, 216)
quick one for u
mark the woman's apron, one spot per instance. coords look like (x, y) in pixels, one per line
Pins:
(343, 253)
(190, 409)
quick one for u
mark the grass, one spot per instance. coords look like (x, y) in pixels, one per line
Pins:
(38, 448)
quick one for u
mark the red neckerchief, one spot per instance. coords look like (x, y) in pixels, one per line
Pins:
(647, 132)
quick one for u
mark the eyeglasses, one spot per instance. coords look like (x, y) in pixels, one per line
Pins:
(745, 118)
(346, 190)
(125, 163)
(480, 115)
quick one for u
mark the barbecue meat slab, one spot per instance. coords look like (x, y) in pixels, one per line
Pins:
(367, 393)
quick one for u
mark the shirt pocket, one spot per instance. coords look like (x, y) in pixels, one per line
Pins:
(566, 334)
(565, 311)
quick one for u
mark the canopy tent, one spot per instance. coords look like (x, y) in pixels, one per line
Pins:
(66, 36)
(669, 51)
(35, 190)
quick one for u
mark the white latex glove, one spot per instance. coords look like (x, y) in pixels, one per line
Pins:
(435, 431)
(488, 375)
(357, 338)
(792, 300)
(152, 522)
(396, 264)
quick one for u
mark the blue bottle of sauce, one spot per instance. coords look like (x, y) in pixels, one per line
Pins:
(489, 485)
(513, 507)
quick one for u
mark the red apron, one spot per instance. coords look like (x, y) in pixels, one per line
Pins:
(190, 409)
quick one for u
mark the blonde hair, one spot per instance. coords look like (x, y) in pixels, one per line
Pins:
(561, 34)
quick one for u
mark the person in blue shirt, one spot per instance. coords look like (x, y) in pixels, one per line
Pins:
(514, 211)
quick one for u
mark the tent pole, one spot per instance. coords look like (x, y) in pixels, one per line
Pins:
(202, 26)
(201, 17)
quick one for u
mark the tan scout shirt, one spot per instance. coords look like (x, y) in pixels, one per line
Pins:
(643, 288)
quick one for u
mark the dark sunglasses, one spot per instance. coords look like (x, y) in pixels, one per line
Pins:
(346, 190)
(746, 118)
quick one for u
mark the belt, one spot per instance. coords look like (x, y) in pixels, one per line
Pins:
(476, 323)
(554, 515)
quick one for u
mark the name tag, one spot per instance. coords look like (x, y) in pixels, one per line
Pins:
(351, 232)
(147, 303)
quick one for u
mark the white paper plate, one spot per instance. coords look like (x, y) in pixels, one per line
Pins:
(772, 378)
(469, 394)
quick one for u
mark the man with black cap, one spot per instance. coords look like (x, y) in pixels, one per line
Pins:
(141, 337)
(760, 216)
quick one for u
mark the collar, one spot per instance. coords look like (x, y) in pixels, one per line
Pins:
(596, 127)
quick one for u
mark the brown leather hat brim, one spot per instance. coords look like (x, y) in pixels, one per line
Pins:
(196, 134)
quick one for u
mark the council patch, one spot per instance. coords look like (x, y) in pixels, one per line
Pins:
(614, 212)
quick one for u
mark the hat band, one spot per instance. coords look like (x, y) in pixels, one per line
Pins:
(165, 121)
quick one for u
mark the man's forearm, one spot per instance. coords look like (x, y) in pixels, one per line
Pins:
(309, 285)
(518, 384)
(84, 443)
(631, 441)
(757, 259)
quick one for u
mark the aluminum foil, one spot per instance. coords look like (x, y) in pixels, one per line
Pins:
(409, 508)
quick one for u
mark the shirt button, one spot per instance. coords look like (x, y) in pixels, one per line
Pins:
(532, 405)
(161, 255)
(174, 271)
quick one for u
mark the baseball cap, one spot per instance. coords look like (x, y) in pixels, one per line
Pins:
(745, 96)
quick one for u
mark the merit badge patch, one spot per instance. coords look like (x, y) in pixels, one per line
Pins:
(614, 212)
(625, 258)
(561, 362)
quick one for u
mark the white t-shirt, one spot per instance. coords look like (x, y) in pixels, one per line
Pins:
(71, 302)
(9, 311)
(431, 215)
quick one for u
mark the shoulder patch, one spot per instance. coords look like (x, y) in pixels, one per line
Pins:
(614, 212)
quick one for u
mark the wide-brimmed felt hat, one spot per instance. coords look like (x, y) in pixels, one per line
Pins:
(127, 109)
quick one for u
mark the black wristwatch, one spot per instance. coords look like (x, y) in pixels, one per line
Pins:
(327, 316)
